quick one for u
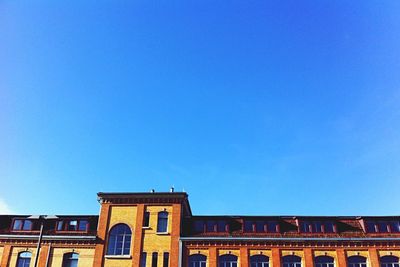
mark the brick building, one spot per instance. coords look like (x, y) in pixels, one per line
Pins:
(159, 229)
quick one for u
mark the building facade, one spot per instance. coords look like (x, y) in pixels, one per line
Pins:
(159, 230)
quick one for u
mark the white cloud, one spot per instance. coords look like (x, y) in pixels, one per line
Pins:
(4, 208)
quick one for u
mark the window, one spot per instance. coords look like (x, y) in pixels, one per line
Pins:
(291, 261)
(162, 223)
(198, 226)
(259, 261)
(22, 225)
(70, 260)
(166, 259)
(73, 225)
(382, 226)
(154, 259)
(210, 226)
(119, 240)
(24, 259)
(227, 260)
(222, 226)
(329, 227)
(197, 260)
(324, 261)
(305, 227)
(146, 219)
(395, 227)
(143, 257)
(260, 226)
(356, 261)
(389, 261)
(248, 226)
(272, 227)
(317, 227)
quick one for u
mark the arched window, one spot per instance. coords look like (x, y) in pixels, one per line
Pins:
(259, 261)
(291, 261)
(389, 261)
(24, 259)
(356, 261)
(197, 260)
(70, 260)
(227, 260)
(324, 261)
(119, 240)
(162, 222)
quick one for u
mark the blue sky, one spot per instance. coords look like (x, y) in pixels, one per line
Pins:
(252, 107)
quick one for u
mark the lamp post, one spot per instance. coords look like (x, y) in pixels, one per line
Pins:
(41, 219)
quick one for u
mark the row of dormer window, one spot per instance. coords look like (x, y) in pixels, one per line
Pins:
(262, 226)
(61, 225)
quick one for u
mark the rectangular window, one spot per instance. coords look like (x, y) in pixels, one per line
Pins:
(143, 257)
(17, 225)
(260, 226)
(317, 227)
(22, 225)
(305, 227)
(248, 226)
(370, 227)
(221, 226)
(72, 225)
(162, 222)
(83, 225)
(210, 226)
(166, 259)
(383, 227)
(146, 219)
(329, 227)
(272, 227)
(154, 259)
(395, 227)
(198, 226)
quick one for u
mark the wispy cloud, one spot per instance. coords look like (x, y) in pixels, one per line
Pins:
(5, 208)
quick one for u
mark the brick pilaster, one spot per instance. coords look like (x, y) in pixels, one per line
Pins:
(341, 255)
(175, 234)
(373, 257)
(101, 235)
(308, 257)
(213, 257)
(44, 251)
(276, 257)
(138, 236)
(6, 256)
(244, 257)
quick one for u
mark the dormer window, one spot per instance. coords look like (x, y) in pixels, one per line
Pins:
(316, 227)
(382, 226)
(22, 225)
(260, 226)
(73, 225)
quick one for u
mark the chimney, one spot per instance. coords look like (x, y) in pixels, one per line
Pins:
(171, 190)
(152, 191)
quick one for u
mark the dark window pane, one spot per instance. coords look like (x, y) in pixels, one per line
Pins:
(17, 225)
(221, 226)
(162, 222)
(370, 227)
(272, 227)
(154, 259)
(146, 221)
(305, 227)
(119, 240)
(317, 227)
(60, 225)
(395, 227)
(166, 259)
(382, 226)
(329, 228)
(199, 226)
(210, 226)
(260, 226)
(83, 225)
(143, 259)
(248, 226)
(72, 225)
(27, 225)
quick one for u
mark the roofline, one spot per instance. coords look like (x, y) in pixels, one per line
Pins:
(328, 239)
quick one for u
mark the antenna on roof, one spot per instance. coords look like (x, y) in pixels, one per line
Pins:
(152, 191)
(172, 189)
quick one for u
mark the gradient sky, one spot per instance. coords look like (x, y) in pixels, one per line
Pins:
(252, 107)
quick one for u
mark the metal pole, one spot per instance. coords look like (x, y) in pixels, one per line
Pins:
(39, 243)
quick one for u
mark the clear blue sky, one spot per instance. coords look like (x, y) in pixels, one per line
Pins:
(252, 107)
